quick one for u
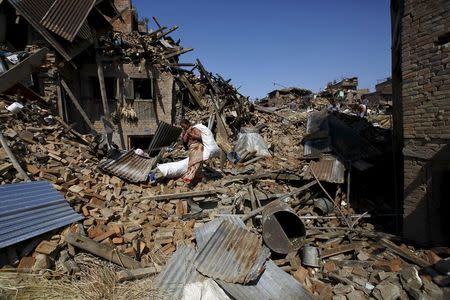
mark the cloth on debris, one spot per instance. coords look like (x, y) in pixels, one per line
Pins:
(193, 139)
(206, 290)
(251, 141)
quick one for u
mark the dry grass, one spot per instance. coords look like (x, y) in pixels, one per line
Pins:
(97, 280)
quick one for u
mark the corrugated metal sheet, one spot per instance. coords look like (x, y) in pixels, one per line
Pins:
(29, 209)
(33, 11)
(317, 140)
(274, 283)
(232, 254)
(65, 17)
(164, 136)
(204, 233)
(329, 169)
(130, 166)
(178, 272)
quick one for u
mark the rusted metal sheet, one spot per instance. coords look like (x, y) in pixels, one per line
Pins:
(66, 17)
(329, 169)
(204, 233)
(274, 283)
(165, 135)
(179, 272)
(232, 254)
(33, 11)
(130, 166)
(283, 231)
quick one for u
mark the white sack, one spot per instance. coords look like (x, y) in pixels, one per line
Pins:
(174, 169)
(206, 290)
(210, 148)
(179, 168)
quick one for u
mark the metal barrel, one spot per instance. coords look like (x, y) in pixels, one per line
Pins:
(310, 256)
(283, 231)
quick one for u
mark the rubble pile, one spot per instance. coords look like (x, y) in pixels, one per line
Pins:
(341, 256)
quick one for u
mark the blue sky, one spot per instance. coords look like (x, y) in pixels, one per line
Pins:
(290, 42)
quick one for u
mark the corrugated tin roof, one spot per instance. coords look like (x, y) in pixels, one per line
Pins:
(65, 17)
(204, 233)
(178, 272)
(232, 254)
(130, 166)
(33, 11)
(329, 169)
(29, 209)
(274, 283)
(317, 140)
(164, 136)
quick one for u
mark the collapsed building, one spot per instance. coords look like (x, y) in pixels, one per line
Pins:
(299, 212)
(381, 98)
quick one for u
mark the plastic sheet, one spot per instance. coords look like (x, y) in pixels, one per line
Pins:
(251, 142)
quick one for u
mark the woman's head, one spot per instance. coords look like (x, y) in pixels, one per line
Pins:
(185, 124)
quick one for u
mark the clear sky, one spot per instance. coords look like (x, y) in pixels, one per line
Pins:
(289, 42)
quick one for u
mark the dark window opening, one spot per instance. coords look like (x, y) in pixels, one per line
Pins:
(139, 141)
(143, 88)
(110, 86)
(443, 39)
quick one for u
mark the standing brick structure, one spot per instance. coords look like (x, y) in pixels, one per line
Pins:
(421, 100)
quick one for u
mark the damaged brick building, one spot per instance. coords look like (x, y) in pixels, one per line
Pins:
(421, 93)
(130, 88)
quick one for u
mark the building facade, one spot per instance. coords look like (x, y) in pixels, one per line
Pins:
(421, 113)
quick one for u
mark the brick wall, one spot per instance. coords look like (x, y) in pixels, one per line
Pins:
(129, 16)
(425, 93)
(149, 111)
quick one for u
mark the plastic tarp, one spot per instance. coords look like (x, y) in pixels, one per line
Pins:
(251, 141)
(206, 290)
(179, 168)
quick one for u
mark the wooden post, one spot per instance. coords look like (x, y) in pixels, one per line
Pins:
(60, 102)
(102, 250)
(101, 81)
(77, 104)
(13, 159)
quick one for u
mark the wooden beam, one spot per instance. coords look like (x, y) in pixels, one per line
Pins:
(21, 70)
(167, 32)
(340, 249)
(195, 97)
(156, 22)
(126, 275)
(77, 105)
(13, 159)
(102, 250)
(101, 81)
(406, 254)
(178, 52)
(296, 192)
(60, 101)
(207, 76)
(180, 195)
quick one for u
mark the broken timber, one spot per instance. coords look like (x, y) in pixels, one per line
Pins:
(13, 159)
(21, 70)
(102, 250)
(77, 105)
(180, 195)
